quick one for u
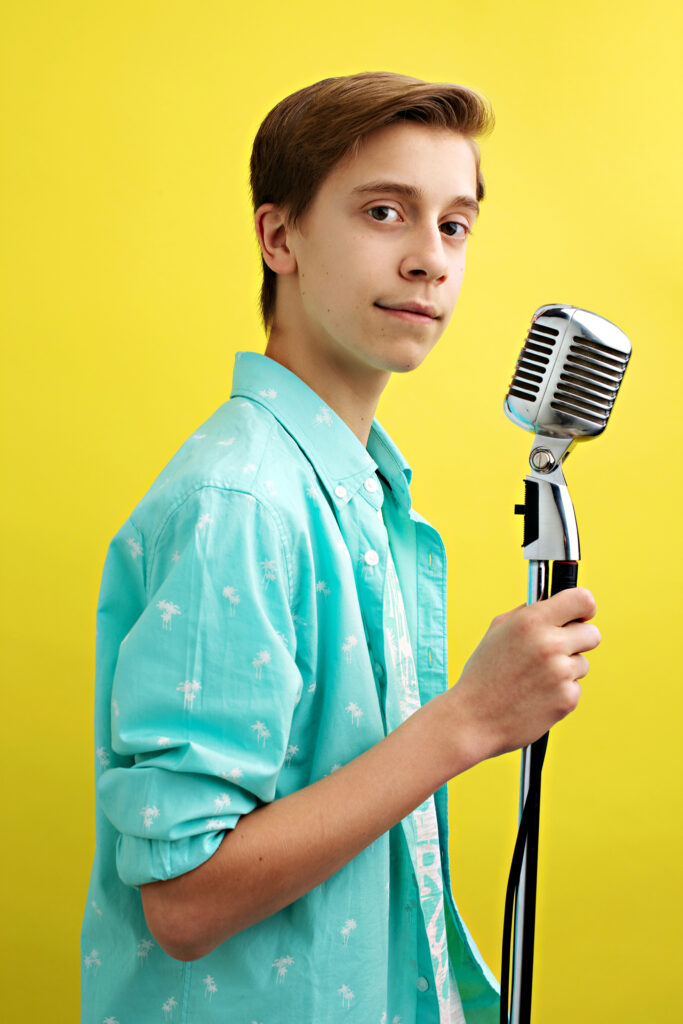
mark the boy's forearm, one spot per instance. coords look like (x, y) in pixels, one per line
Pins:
(521, 680)
(284, 849)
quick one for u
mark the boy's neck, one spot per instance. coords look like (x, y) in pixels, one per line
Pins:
(351, 390)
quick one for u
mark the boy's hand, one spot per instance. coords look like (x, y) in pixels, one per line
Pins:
(522, 678)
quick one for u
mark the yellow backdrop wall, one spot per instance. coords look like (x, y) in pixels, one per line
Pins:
(130, 277)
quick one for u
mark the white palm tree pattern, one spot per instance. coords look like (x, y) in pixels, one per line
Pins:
(210, 987)
(355, 712)
(103, 757)
(92, 960)
(348, 646)
(269, 569)
(292, 751)
(115, 708)
(168, 610)
(96, 908)
(215, 825)
(222, 801)
(149, 815)
(262, 658)
(268, 393)
(135, 548)
(347, 996)
(163, 741)
(204, 521)
(234, 774)
(346, 929)
(390, 644)
(227, 443)
(110, 1020)
(175, 557)
(262, 732)
(190, 688)
(233, 598)
(322, 417)
(321, 587)
(283, 964)
(168, 1007)
(313, 493)
(144, 946)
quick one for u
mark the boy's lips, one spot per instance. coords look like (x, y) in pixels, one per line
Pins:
(419, 309)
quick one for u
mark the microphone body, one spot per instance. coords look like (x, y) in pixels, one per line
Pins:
(564, 386)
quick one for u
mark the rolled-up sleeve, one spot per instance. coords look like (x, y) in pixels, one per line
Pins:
(205, 686)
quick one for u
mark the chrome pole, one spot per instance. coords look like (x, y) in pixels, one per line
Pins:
(537, 590)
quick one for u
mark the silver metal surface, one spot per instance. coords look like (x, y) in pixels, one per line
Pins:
(558, 535)
(541, 460)
(537, 590)
(568, 373)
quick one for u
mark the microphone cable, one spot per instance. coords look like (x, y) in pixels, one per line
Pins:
(564, 577)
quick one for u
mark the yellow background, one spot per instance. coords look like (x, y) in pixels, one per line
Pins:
(130, 277)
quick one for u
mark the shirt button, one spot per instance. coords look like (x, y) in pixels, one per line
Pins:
(422, 984)
(340, 491)
(371, 557)
(370, 484)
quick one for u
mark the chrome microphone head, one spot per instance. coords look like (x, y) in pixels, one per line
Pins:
(568, 373)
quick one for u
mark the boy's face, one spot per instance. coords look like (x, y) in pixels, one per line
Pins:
(380, 253)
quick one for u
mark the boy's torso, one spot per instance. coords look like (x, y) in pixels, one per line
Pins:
(303, 634)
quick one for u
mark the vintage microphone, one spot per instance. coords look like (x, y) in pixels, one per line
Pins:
(565, 383)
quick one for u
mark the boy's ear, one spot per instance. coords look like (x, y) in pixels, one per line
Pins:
(271, 230)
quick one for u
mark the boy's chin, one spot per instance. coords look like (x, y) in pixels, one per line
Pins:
(407, 357)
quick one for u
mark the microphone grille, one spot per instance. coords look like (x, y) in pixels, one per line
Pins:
(534, 361)
(589, 381)
(568, 373)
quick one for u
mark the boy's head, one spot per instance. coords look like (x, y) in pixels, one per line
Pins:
(308, 133)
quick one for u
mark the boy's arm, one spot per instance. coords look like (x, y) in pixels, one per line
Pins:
(520, 681)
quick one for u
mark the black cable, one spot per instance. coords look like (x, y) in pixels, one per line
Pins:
(527, 839)
(564, 577)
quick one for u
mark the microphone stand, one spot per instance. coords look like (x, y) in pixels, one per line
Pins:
(550, 534)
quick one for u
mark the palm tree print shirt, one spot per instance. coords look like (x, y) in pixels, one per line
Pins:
(253, 635)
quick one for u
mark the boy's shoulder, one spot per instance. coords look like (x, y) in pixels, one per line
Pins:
(241, 450)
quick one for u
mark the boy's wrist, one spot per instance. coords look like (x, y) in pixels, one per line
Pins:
(456, 733)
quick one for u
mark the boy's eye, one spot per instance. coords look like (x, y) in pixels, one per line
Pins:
(383, 213)
(454, 229)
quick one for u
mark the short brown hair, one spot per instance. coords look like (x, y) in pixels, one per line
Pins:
(309, 132)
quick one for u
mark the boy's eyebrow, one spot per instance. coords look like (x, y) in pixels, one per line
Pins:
(411, 192)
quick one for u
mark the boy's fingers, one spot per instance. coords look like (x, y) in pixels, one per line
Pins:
(569, 606)
(581, 666)
(580, 636)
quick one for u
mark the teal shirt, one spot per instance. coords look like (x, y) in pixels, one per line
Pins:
(243, 652)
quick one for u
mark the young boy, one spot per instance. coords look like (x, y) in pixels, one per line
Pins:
(273, 727)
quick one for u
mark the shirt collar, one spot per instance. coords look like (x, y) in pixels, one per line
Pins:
(338, 457)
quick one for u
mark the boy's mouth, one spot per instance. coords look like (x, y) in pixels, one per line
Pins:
(417, 312)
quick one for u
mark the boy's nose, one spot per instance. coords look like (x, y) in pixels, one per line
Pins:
(425, 257)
